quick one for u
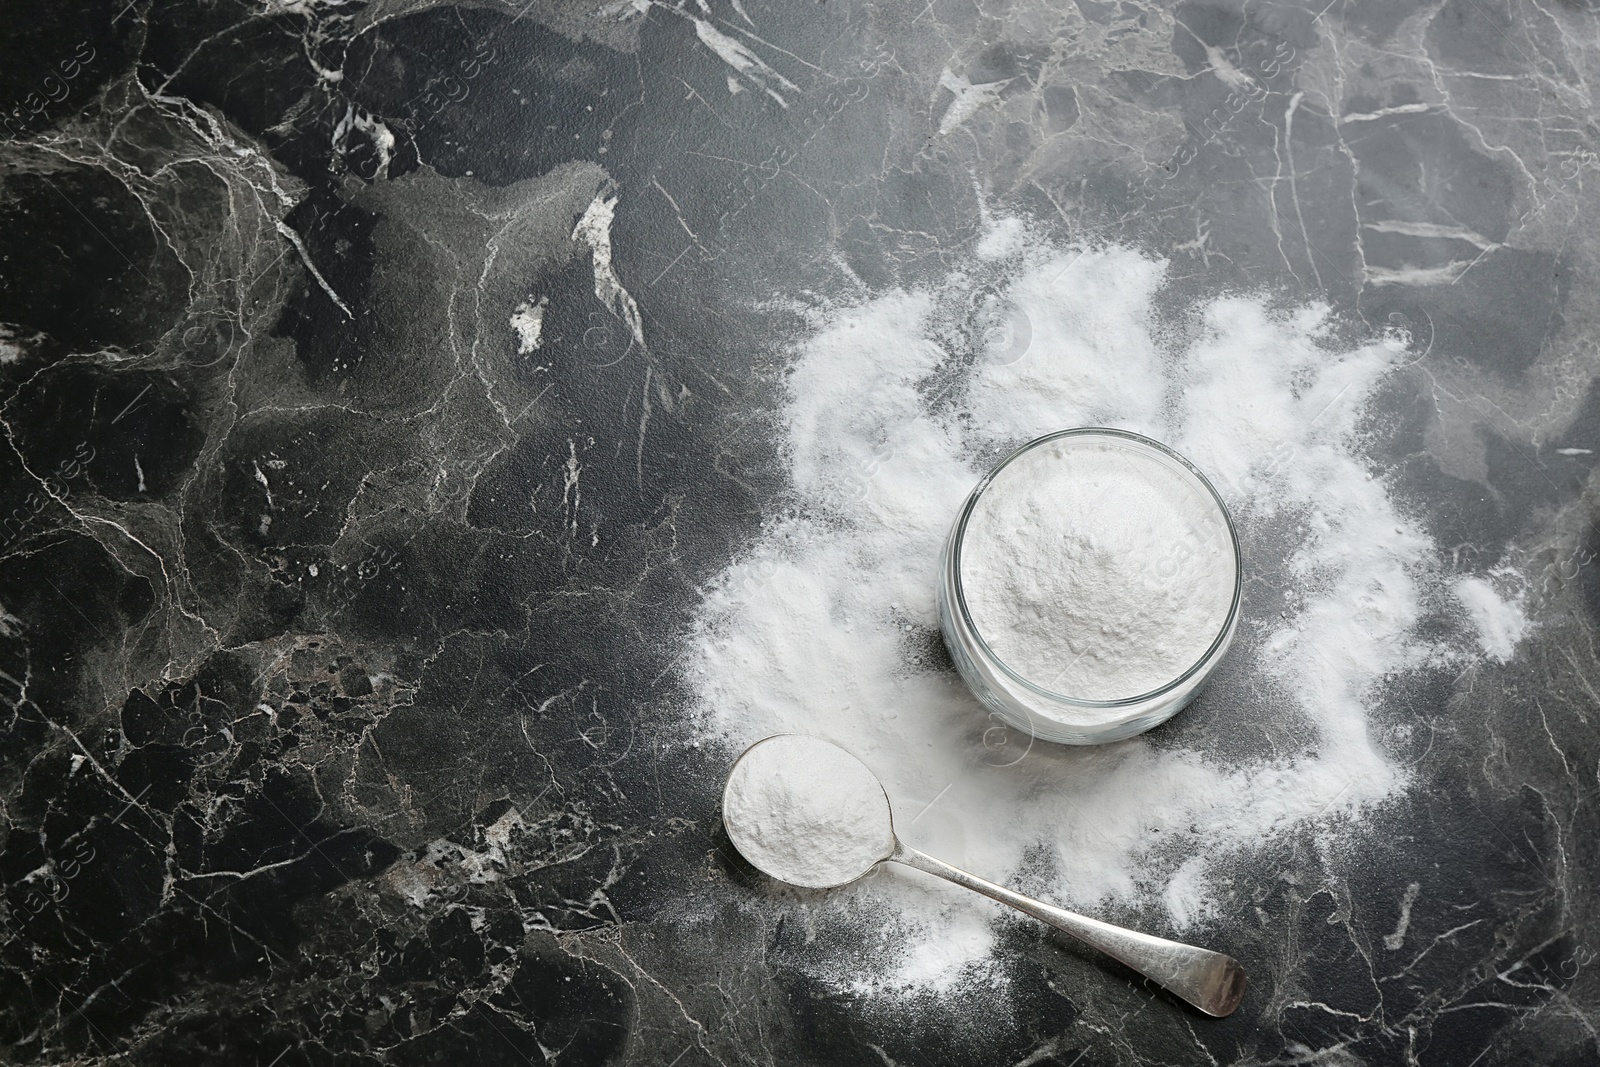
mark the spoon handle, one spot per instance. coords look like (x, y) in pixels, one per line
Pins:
(1210, 981)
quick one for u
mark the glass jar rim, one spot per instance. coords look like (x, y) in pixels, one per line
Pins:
(959, 537)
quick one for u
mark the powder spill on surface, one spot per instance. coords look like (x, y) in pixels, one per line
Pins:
(1499, 620)
(823, 627)
(1094, 569)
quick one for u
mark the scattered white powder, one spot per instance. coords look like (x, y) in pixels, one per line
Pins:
(1094, 569)
(1499, 620)
(806, 811)
(826, 625)
(10, 351)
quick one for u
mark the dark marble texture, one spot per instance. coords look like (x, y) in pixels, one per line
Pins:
(338, 635)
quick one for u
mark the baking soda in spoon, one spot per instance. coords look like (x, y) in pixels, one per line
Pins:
(797, 811)
(805, 811)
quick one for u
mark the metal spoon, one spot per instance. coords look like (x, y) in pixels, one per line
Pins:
(790, 787)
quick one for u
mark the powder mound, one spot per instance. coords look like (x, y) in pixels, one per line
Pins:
(1095, 570)
(806, 811)
(895, 405)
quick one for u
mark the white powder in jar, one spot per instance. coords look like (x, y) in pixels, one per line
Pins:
(1097, 568)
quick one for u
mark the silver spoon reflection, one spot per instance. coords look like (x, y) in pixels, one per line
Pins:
(836, 826)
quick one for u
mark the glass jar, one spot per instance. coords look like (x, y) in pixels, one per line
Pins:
(1062, 717)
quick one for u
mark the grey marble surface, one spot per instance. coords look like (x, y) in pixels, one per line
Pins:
(303, 592)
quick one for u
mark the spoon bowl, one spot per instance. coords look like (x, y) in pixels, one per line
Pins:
(805, 811)
(828, 833)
